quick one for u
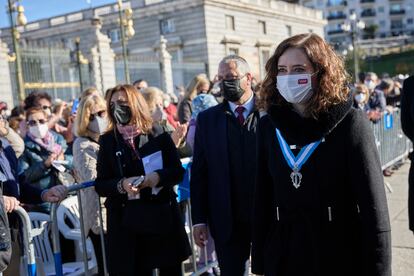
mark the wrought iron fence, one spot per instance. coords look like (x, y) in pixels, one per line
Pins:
(50, 69)
(149, 69)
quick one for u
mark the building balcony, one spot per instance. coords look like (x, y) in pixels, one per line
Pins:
(368, 13)
(397, 12)
(337, 3)
(336, 16)
(335, 32)
(367, 1)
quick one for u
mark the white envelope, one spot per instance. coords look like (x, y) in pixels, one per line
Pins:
(152, 163)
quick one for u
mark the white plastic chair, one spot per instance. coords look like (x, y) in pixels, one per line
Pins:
(43, 248)
(68, 210)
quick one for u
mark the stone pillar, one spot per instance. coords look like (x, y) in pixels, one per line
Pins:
(102, 58)
(166, 67)
(6, 92)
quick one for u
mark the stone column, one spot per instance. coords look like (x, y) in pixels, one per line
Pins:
(101, 57)
(166, 67)
(6, 92)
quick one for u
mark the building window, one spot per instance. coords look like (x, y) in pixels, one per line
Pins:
(381, 9)
(167, 26)
(409, 21)
(114, 35)
(288, 30)
(383, 23)
(230, 22)
(262, 27)
(264, 57)
(233, 51)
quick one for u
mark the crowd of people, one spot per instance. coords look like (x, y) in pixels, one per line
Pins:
(297, 203)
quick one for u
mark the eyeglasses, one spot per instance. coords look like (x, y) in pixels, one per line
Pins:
(45, 107)
(36, 122)
(101, 114)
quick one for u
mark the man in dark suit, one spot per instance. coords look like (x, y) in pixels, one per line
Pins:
(407, 122)
(223, 170)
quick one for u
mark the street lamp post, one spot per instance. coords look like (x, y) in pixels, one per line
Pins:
(80, 60)
(353, 27)
(126, 24)
(21, 21)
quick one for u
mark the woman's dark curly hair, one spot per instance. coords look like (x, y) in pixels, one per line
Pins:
(34, 97)
(332, 79)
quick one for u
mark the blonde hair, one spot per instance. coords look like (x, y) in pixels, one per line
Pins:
(84, 112)
(192, 88)
(89, 91)
(151, 95)
(140, 115)
(362, 89)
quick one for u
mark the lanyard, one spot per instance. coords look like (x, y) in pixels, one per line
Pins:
(296, 162)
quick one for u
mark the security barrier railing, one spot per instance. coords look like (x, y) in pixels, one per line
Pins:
(28, 233)
(392, 144)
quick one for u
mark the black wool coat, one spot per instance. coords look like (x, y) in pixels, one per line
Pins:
(336, 222)
(126, 249)
(407, 123)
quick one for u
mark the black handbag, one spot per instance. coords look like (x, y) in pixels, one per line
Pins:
(146, 217)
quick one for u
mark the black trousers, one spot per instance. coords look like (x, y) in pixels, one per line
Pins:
(411, 195)
(174, 270)
(233, 255)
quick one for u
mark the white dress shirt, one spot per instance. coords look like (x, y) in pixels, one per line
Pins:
(248, 107)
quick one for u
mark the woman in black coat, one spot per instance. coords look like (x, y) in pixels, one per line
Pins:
(407, 123)
(320, 205)
(145, 229)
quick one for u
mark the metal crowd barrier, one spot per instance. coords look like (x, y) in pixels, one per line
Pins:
(184, 189)
(55, 231)
(27, 238)
(392, 144)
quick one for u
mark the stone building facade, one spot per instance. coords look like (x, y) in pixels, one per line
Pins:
(198, 32)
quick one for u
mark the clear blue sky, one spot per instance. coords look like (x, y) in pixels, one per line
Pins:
(38, 9)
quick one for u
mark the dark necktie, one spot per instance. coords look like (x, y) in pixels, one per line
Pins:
(239, 110)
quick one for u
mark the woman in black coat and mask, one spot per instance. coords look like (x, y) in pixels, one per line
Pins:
(136, 171)
(320, 205)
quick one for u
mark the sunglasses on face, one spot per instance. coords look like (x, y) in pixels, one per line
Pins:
(36, 122)
(46, 107)
(101, 114)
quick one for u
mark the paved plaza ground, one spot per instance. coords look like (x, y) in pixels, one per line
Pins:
(402, 238)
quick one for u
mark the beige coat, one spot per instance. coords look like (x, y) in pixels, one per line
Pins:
(85, 155)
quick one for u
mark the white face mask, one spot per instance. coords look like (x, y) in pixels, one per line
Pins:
(98, 125)
(360, 98)
(39, 131)
(370, 84)
(295, 89)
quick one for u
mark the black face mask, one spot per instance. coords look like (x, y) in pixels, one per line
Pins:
(231, 90)
(121, 113)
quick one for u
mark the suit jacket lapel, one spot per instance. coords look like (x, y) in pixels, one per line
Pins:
(221, 136)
